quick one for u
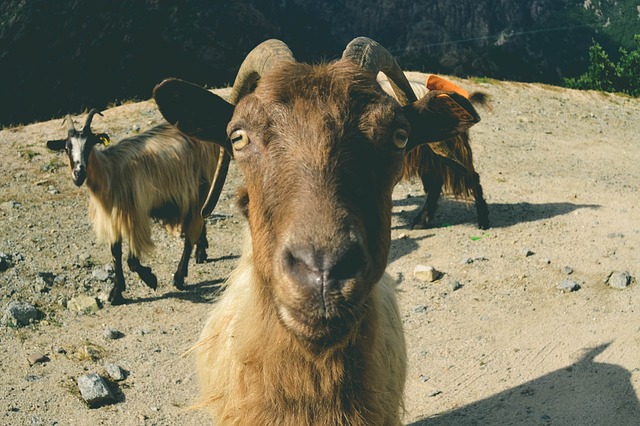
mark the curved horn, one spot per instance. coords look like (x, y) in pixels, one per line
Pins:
(69, 121)
(260, 60)
(372, 56)
(87, 124)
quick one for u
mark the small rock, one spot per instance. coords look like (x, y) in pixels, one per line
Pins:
(424, 378)
(9, 205)
(527, 252)
(36, 358)
(135, 128)
(100, 274)
(568, 270)
(53, 190)
(115, 372)
(619, 280)
(94, 390)
(426, 273)
(84, 304)
(60, 279)
(5, 262)
(454, 285)
(112, 334)
(420, 309)
(567, 286)
(19, 314)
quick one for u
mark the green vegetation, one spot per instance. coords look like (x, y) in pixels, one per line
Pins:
(607, 76)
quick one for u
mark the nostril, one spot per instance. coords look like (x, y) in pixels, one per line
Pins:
(301, 265)
(312, 266)
(348, 264)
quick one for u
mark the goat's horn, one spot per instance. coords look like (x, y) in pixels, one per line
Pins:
(87, 124)
(69, 121)
(260, 60)
(374, 57)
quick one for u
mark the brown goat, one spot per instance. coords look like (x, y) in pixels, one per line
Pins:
(445, 167)
(308, 331)
(159, 173)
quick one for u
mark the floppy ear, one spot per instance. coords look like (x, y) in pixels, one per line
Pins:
(439, 116)
(57, 145)
(194, 111)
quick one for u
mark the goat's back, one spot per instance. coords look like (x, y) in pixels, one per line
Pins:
(159, 170)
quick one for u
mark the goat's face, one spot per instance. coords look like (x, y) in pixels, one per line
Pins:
(321, 149)
(78, 146)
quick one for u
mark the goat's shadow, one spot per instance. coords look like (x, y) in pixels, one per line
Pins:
(501, 215)
(585, 393)
(206, 291)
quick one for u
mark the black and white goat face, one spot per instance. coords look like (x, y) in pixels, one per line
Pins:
(78, 145)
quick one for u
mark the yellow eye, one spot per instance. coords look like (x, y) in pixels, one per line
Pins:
(400, 138)
(239, 139)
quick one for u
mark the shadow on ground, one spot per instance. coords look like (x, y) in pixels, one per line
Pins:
(501, 215)
(585, 393)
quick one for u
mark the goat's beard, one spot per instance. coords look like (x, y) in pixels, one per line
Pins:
(321, 332)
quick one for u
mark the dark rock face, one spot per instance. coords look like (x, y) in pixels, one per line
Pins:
(60, 57)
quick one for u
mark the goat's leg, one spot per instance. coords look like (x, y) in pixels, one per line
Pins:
(144, 272)
(183, 266)
(482, 210)
(432, 184)
(201, 245)
(115, 295)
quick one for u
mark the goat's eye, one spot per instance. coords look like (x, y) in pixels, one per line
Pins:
(239, 139)
(400, 138)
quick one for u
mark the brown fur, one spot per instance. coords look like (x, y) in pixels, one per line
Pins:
(309, 184)
(129, 179)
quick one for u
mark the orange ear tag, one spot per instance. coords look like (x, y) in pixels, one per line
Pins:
(435, 82)
(455, 109)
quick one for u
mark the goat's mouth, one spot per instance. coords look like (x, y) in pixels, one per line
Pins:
(319, 331)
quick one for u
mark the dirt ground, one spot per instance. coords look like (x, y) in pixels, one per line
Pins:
(560, 171)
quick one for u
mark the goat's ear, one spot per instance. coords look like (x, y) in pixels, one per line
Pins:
(57, 145)
(439, 116)
(195, 111)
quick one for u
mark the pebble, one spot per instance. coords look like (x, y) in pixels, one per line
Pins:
(619, 280)
(94, 390)
(112, 334)
(100, 274)
(527, 252)
(84, 304)
(420, 309)
(567, 286)
(5, 262)
(426, 273)
(19, 314)
(568, 270)
(37, 357)
(9, 205)
(454, 285)
(115, 372)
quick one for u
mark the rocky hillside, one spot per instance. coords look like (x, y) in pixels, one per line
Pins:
(59, 57)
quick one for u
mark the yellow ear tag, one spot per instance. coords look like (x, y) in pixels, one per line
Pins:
(105, 140)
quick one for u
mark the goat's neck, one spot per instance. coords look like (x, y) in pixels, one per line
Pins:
(99, 175)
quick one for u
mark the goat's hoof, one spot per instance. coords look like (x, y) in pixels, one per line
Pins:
(116, 299)
(178, 282)
(484, 225)
(201, 257)
(151, 281)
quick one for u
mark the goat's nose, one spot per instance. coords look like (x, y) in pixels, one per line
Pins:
(79, 173)
(323, 272)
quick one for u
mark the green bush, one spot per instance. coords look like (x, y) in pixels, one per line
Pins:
(602, 74)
